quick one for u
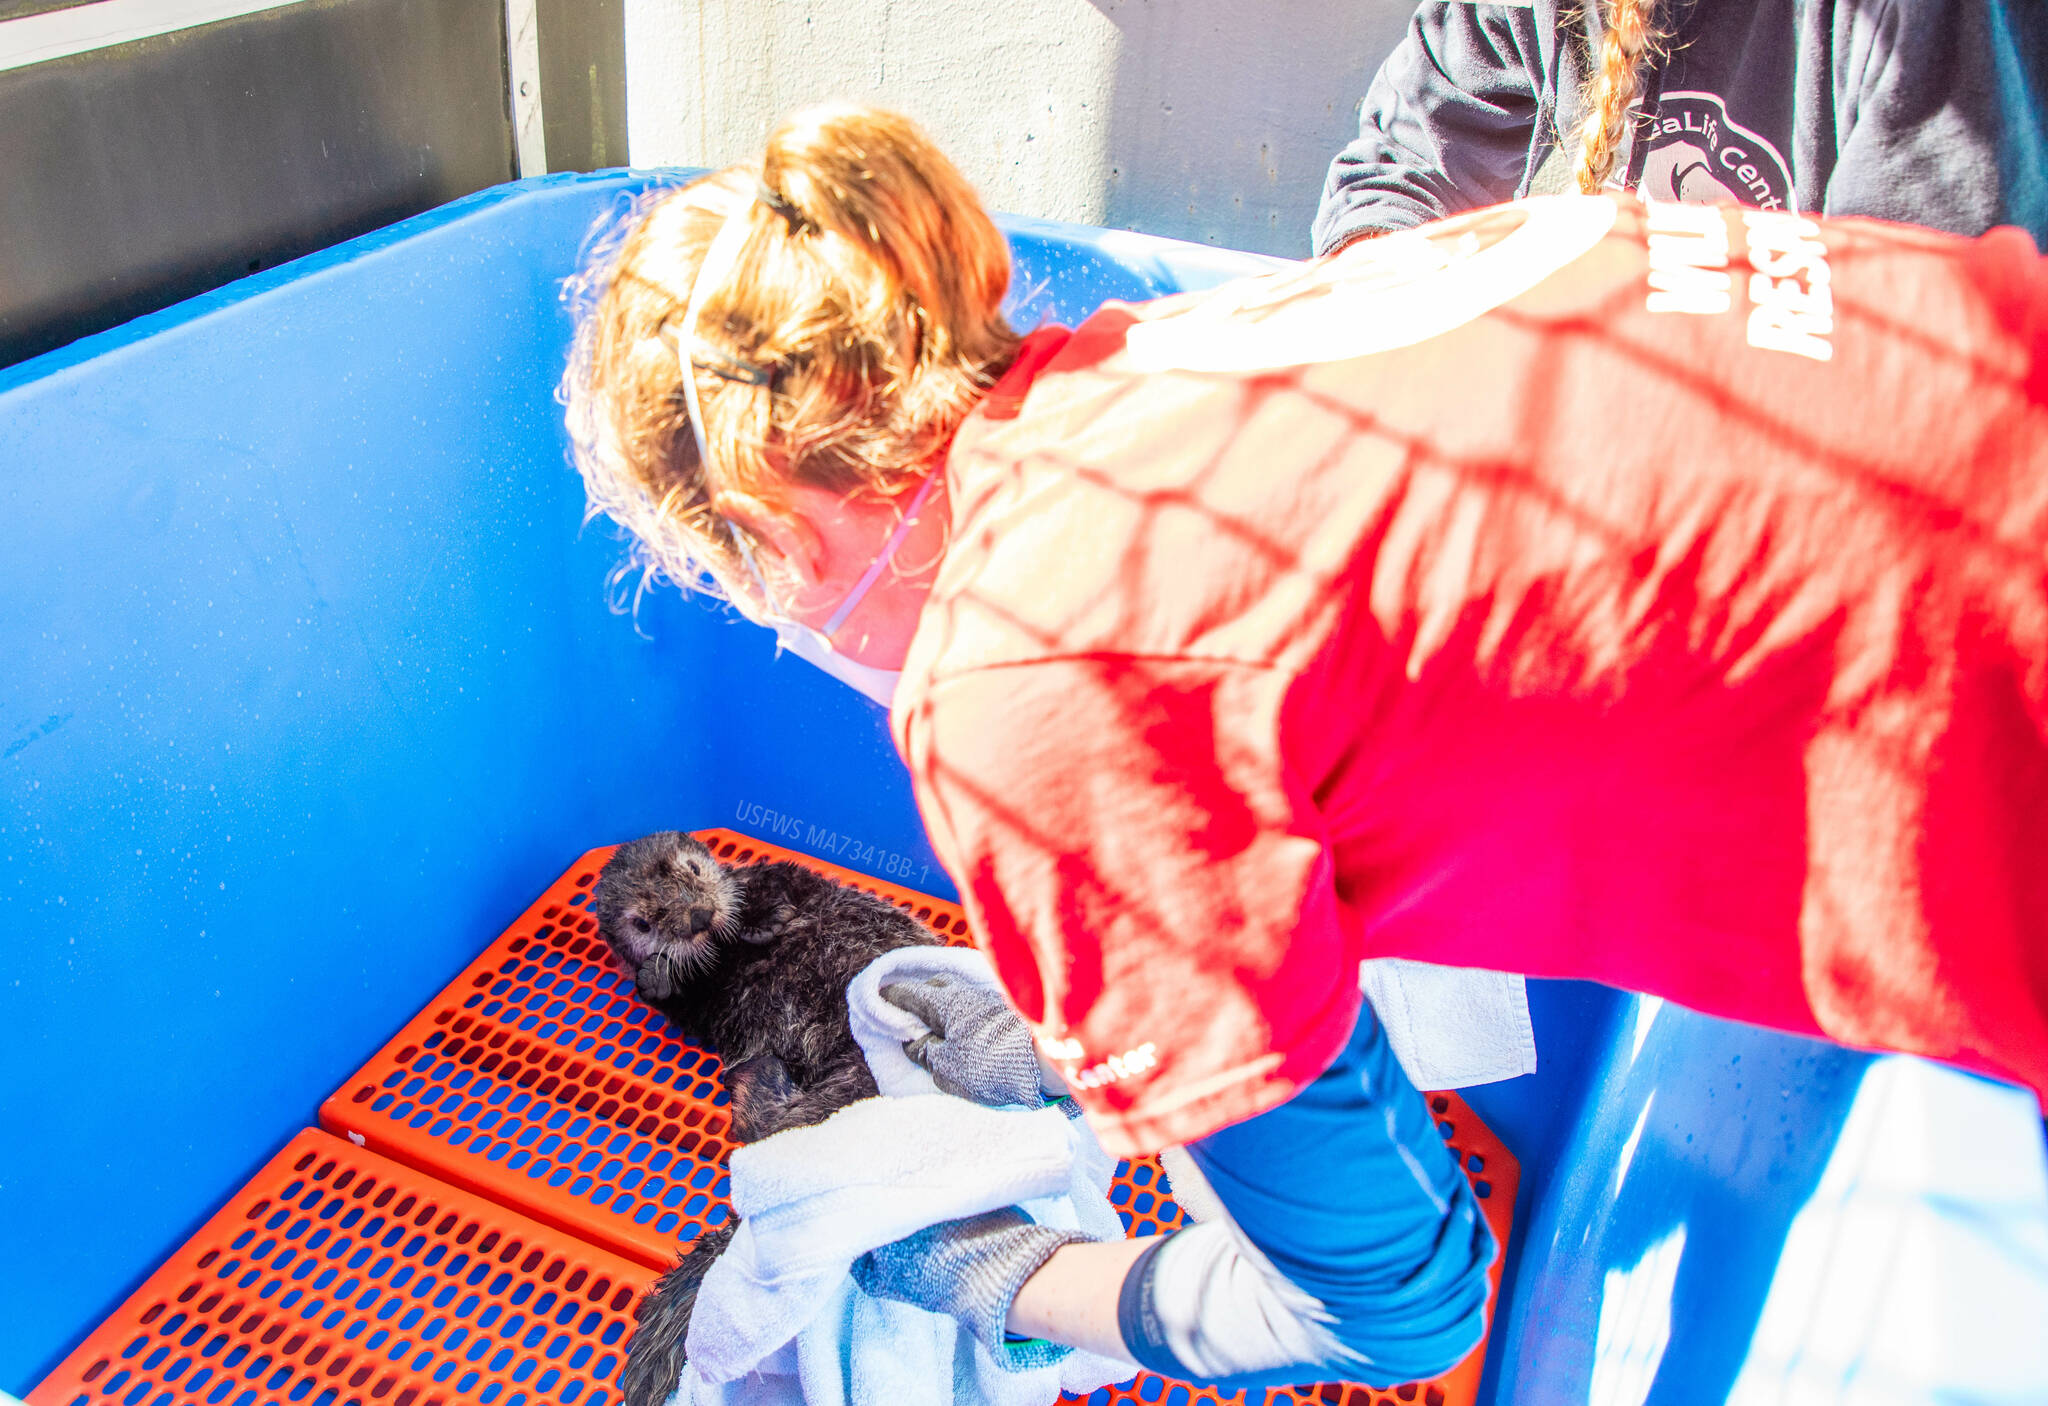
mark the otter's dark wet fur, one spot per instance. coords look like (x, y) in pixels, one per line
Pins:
(655, 1356)
(752, 963)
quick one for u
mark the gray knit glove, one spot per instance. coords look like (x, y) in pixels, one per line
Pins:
(976, 1046)
(971, 1270)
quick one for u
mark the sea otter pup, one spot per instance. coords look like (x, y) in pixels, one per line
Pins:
(752, 963)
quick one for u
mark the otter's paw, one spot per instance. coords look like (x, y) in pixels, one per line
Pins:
(658, 978)
(773, 925)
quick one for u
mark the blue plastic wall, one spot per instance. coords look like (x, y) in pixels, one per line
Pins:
(310, 685)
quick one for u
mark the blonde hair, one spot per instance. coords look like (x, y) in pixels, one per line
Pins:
(859, 323)
(1629, 42)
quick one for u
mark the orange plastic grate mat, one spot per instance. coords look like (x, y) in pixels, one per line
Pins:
(338, 1278)
(539, 1079)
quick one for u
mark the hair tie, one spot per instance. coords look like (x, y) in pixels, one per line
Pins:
(778, 202)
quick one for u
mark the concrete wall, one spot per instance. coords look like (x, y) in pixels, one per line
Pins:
(1211, 120)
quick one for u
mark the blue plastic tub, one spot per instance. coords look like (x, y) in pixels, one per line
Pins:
(310, 686)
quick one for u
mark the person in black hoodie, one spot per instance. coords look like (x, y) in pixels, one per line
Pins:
(1930, 112)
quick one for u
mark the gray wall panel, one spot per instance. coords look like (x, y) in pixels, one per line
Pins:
(15, 9)
(583, 83)
(1209, 120)
(134, 176)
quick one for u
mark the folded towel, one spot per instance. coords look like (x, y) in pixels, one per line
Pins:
(1451, 1027)
(779, 1319)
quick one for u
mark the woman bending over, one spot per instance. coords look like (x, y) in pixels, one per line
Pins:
(1655, 595)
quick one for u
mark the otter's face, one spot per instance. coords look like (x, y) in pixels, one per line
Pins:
(666, 905)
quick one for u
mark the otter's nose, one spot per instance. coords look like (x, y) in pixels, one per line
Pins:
(700, 919)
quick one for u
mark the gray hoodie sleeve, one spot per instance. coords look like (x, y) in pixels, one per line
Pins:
(1449, 123)
(1937, 115)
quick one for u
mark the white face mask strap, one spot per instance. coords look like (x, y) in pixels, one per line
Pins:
(882, 559)
(739, 539)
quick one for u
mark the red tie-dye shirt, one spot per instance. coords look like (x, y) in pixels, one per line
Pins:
(1655, 596)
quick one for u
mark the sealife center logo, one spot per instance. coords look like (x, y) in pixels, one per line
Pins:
(1692, 152)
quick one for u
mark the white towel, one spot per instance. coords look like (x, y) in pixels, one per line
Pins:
(779, 1319)
(1451, 1027)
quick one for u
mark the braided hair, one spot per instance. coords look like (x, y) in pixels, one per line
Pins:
(1629, 43)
